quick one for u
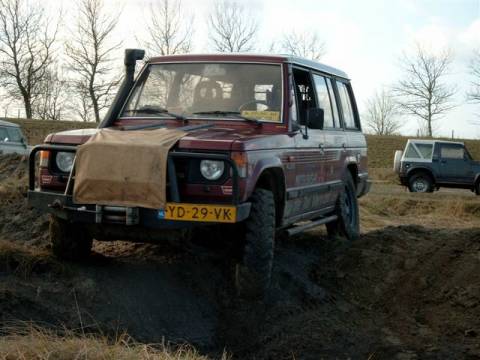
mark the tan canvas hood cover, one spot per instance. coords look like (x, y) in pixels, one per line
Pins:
(124, 168)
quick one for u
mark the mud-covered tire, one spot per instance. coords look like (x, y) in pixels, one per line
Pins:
(420, 182)
(253, 274)
(477, 188)
(69, 241)
(348, 222)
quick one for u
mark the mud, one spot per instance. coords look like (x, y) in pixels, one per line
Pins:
(401, 291)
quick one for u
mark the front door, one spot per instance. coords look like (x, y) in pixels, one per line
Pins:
(455, 165)
(309, 192)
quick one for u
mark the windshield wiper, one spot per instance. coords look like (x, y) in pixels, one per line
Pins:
(237, 114)
(156, 110)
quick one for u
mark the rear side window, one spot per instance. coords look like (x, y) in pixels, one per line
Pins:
(323, 99)
(411, 152)
(452, 152)
(425, 150)
(346, 103)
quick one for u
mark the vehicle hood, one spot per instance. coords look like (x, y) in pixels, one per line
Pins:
(214, 138)
(71, 137)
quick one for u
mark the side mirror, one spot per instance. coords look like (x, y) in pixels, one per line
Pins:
(315, 118)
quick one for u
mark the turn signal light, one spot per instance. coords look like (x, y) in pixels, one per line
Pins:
(241, 160)
(44, 156)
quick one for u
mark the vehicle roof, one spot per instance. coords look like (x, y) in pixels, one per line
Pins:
(10, 124)
(280, 58)
(426, 141)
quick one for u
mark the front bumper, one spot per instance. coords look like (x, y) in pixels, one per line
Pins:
(63, 206)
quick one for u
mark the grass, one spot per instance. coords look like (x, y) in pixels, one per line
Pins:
(30, 342)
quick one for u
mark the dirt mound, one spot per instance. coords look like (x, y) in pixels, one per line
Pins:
(17, 221)
(405, 292)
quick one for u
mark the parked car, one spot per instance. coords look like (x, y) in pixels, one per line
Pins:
(427, 165)
(274, 144)
(12, 140)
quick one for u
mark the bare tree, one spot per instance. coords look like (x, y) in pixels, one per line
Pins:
(304, 44)
(52, 94)
(382, 114)
(90, 53)
(232, 28)
(27, 39)
(474, 93)
(422, 92)
(169, 28)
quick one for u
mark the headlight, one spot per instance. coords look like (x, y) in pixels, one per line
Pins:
(64, 161)
(212, 169)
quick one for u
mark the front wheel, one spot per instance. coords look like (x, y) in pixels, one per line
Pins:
(253, 274)
(348, 222)
(70, 241)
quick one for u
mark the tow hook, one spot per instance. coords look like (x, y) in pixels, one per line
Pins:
(57, 204)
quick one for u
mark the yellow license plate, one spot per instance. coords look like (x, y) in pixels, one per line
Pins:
(198, 212)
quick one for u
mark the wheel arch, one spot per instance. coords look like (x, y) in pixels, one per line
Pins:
(421, 169)
(273, 178)
(353, 169)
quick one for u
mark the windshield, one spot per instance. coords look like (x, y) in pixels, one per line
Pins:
(208, 89)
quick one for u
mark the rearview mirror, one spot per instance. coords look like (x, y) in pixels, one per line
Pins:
(315, 118)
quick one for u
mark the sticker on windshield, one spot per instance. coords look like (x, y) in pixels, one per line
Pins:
(262, 115)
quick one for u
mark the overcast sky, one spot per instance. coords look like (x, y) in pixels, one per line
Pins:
(363, 38)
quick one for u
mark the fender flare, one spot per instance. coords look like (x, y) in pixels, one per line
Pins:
(260, 167)
(421, 168)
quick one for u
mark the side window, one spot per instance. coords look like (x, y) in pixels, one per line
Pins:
(346, 103)
(411, 153)
(14, 135)
(452, 152)
(323, 100)
(334, 103)
(425, 150)
(304, 93)
(4, 135)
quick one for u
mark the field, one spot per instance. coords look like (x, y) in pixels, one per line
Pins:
(408, 289)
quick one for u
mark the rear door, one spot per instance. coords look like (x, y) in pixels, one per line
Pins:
(334, 136)
(455, 166)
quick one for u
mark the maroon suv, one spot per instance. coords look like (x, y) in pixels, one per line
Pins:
(274, 144)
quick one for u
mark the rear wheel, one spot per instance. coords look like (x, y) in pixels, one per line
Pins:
(477, 188)
(420, 182)
(253, 274)
(70, 241)
(348, 222)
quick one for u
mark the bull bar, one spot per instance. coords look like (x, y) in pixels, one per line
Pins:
(62, 203)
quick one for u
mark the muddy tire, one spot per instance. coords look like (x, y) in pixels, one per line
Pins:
(70, 241)
(253, 274)
(348, 223)
(420, 182)
(477, 188)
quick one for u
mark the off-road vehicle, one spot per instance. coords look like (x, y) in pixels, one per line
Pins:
(427, 165)
(272, 144)
(12, 140)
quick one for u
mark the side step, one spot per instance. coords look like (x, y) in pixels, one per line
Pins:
(300, 228)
